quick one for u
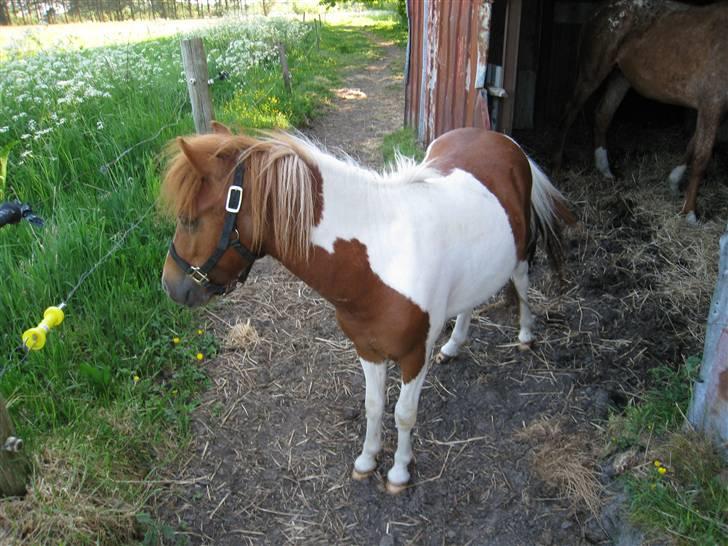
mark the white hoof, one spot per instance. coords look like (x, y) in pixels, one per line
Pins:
(691, 218)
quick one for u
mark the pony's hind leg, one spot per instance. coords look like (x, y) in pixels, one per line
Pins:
(375, 376)
(459, 335)
(520, 282)
(613, 96)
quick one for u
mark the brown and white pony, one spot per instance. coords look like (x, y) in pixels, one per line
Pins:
(395, 254)
(667, 51)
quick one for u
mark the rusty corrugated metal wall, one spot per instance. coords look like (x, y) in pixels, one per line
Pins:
(446, 60)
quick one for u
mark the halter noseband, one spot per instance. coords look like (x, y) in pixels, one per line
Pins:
(233, 204)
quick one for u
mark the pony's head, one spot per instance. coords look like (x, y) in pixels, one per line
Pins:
(234, 198)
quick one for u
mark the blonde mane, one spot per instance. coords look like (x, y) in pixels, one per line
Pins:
(279, 171)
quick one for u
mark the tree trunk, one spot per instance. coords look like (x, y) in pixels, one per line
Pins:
(4, 13)
(13, 464)
(708, 411)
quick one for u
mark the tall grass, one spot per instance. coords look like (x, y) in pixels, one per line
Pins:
(117, 381)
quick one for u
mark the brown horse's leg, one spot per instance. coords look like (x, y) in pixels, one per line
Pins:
(704, 138)
(616, 90)
(583, 91)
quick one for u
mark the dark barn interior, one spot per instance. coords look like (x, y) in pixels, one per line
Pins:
(547, 54)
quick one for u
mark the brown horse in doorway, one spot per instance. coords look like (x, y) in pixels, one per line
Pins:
(667, 51)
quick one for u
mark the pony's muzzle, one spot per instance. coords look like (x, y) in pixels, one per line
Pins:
(185, 291)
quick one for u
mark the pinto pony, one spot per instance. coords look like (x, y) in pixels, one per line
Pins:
(395, 254)
(670, 52)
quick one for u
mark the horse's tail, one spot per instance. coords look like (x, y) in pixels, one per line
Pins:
(549, 209)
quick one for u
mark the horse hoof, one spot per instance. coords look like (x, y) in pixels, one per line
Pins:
(361, 476)
(396, 489)
(442, 358)
(527, 346)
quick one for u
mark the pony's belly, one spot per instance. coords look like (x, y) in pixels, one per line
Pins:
(475, 286)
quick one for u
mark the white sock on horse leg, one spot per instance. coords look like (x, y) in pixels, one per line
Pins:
(520, 282)
(676, 176)
(459, 334)
(602, 162)
(376, 378)
(405, 416)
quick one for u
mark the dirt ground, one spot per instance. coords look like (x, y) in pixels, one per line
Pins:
(509, 446)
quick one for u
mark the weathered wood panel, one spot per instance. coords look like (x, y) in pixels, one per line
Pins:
(445, 72)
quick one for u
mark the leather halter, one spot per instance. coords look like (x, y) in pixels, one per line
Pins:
(233, 204)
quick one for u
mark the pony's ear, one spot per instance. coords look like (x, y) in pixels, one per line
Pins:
(220, 129)
(197, 159)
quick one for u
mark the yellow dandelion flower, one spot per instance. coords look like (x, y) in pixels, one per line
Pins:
(176, 340)
(657, 463)
(200, 356)
(662, 470)
(136, 379)
(200, 331)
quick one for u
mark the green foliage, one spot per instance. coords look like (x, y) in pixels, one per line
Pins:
(689, 498)
(403, 142)
(684, 494)
(4, 155)
(661, 409)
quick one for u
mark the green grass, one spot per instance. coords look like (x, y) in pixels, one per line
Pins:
(684, 494)
(108, 400)
(403, 142)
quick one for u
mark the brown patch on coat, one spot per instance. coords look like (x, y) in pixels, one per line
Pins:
(382, 323)
(493, 159)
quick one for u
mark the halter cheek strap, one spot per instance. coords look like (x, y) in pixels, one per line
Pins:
(233, 204)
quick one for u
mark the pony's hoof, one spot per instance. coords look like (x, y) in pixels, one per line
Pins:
(525, 346)
(442, 358)
(396, 488)
(361, 476)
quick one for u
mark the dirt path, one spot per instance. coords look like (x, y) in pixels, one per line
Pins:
(501, 435)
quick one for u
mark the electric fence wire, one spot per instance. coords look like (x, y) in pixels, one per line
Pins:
(121, 239)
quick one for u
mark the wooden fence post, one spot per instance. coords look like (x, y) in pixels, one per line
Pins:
(14, 466)
(196, 74)
(284, 66)
(708, 411)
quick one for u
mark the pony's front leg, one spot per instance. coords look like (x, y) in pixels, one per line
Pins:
(405, 416)
(375, 376)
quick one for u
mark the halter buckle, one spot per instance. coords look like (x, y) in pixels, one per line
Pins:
(200, 277)
(234, 199)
